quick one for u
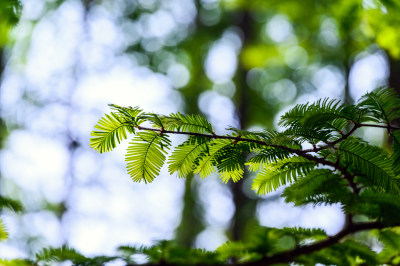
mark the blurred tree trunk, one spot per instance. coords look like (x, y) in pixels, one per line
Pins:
(191, 223)
(394, 80)
(244, 207)
(394, 73)
(191, 220)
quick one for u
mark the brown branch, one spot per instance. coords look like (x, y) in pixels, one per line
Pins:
(389, 127)
(333, 143)
(302, 153)
(214, 136)
(289, 256)
(349, 227)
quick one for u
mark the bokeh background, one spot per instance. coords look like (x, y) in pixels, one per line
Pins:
(239, 63)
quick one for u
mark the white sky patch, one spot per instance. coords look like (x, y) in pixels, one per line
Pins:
(219, 109)
(179, 75)
(368, 73)
(279, 29)
(329, 82)
(36, 163)
(280, 214)
(211, 238)
(284, 90)
(123, 86)
(217, 200)
(221, 62)
(296, 57)
(161, 23)
(44, 223)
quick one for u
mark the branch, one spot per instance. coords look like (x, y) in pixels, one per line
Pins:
(332, 143)
(388, 127)
(288, 256)
(214, 136)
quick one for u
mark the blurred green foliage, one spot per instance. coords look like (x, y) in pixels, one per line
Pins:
(9, 16)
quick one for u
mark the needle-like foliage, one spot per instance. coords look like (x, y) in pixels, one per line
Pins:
(381, 105)
(317, 157)
(280, 173)
(146, 155)
(183, 159)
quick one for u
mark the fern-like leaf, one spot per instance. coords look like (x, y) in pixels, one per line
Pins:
(380, 205)
(305, 232)
(230, 161)
(110, 129)
(146, 155)
(154, 119)
(381, 105)
(325, 113)
(130, 114)
(304, 134)
(265, 156)
(187, 123)
(370, 162)
(10, 204)
(16, 262)
(60, 254)
(390, 239)
(280, 173)
(3, 231)
(309, 186)
(182, 159)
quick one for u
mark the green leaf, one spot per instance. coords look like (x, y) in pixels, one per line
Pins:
(10, 204)
(309, 186)
(16, 262)
(390, 239)
(230, 161)
(265, 156)
(370, 162)
(182, 159)
(305, 232)
(130, 114)
(280, 173)
(323, 114)
(305, 134)
(66, 253)
(381, 105)
(146, 155)
(3, 231)
(154, 119)
(382, 206)
(187, 123)
(206, 164)
(60, 254)
(110, 129)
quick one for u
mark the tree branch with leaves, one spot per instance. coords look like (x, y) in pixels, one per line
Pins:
(339, 168)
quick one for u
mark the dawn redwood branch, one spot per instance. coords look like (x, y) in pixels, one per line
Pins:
(214, 136)
(290, 255)
(331, 144)
(389, 127)
(302, 153)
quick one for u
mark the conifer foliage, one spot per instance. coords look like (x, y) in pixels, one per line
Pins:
(317, 157)
(338, 167)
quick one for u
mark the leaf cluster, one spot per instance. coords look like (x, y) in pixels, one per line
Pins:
(338, 168)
